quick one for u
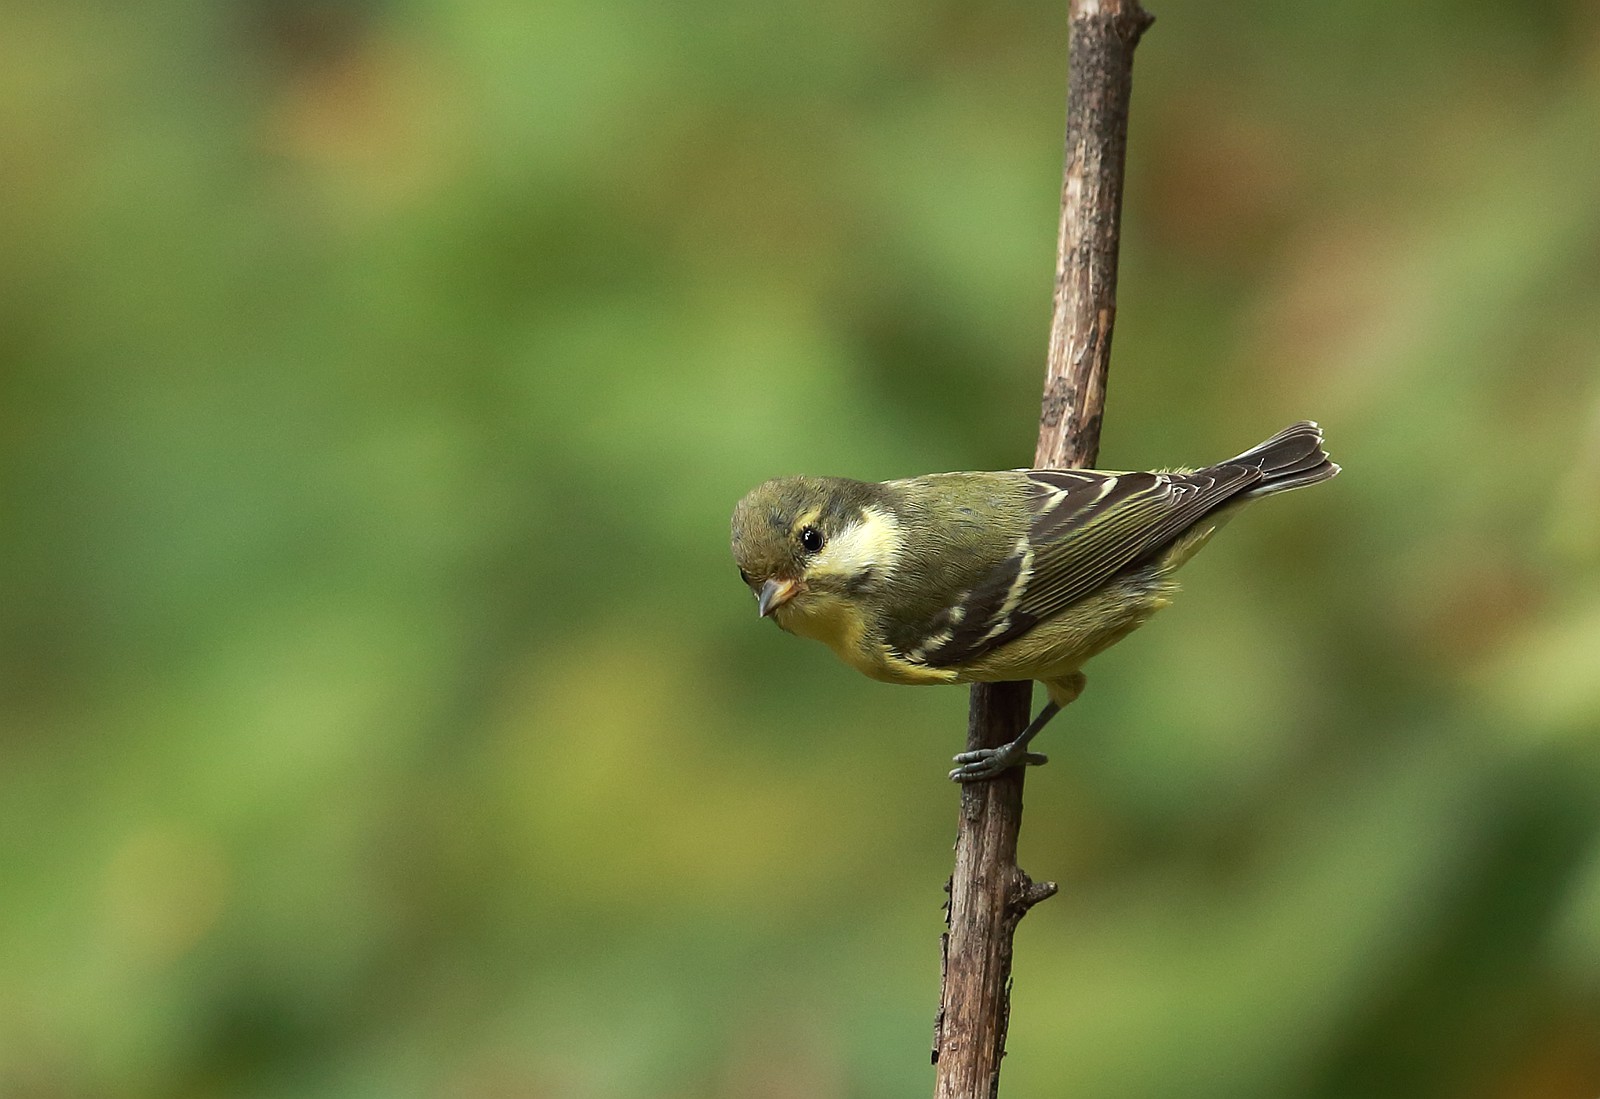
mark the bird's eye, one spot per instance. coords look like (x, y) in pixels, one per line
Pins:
(745, 576)
(811, 539)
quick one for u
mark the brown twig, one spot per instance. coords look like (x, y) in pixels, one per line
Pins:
(989, 893)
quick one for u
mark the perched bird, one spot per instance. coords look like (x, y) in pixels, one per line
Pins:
(1023, 574)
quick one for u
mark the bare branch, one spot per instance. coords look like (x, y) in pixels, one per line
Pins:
(989, 893)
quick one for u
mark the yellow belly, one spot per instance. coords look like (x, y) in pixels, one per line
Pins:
(1052, 650)
(1059, 646)
(838, 624)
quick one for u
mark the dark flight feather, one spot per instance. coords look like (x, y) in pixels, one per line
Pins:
(1087, 526)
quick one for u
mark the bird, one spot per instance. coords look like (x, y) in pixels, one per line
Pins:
(985, 577)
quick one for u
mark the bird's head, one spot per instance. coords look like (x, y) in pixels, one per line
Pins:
(799, 540)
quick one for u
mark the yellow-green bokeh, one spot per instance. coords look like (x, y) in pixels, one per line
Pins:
(380, 715)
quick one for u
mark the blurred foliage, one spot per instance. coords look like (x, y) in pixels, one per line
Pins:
(379, 713)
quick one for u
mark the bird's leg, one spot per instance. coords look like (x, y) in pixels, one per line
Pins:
(986, 763)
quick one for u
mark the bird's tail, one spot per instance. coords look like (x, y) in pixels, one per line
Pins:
(1292, 458)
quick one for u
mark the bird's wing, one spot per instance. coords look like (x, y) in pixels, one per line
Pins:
(1085, 526)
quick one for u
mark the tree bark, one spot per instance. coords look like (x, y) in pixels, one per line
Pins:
(989, 893)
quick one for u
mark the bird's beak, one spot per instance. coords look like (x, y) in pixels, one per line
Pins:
(775, 593)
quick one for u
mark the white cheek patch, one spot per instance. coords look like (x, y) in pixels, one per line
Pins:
(873, 543)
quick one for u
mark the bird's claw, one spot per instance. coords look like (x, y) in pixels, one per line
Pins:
(987, 763)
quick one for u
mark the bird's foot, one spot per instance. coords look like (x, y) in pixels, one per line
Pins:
(987, 763)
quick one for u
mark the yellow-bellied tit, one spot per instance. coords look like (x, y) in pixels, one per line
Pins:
(1023, 574)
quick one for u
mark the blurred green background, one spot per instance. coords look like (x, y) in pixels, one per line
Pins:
(380, 713)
